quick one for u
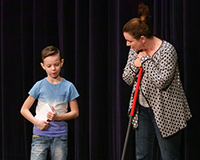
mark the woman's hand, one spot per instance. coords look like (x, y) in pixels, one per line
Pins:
(142, 54)
(137, 61)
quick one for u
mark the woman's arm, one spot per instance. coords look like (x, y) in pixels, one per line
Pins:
(130, 71)
(161, 73)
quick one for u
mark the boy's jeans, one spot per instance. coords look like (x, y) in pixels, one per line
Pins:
(147, 134)
(42, 145)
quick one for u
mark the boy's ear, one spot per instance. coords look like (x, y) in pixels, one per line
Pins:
(62, 62)
(42, 65)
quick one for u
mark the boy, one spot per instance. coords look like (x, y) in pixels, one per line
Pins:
(50, 135)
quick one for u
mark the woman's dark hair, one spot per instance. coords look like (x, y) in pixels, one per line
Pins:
(138, 27)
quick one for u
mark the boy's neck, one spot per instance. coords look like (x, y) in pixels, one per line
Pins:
(54, 80)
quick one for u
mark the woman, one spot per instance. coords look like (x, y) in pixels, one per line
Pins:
(162, 110)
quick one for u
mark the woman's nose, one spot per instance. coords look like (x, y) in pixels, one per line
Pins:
(127, 43)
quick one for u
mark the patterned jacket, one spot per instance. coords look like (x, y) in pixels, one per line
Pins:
(162, 88)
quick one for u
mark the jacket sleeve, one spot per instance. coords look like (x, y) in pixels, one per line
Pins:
(161, 72)
(130, 71)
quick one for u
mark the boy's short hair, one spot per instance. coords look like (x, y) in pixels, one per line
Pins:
(49, 51)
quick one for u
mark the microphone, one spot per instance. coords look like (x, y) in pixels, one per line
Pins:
(139, 51)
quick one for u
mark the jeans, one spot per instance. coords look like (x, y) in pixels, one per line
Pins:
(148, 136)
(42, 145)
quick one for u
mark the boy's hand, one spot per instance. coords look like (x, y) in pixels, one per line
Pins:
(42, 125)
(52, 115)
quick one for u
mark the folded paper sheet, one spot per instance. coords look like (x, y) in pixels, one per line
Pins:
(42, 114)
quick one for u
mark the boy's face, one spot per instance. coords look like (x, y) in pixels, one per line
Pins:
(52, 65)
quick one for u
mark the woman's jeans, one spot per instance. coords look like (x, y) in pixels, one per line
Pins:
(147, 135)
(42, 145)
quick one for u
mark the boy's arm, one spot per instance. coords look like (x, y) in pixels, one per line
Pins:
(28, 115)
(74, 113)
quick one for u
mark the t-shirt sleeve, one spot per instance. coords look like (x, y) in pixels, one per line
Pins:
(73, 94)
(34, 92)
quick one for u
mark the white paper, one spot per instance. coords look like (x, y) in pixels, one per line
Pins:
(42, 114)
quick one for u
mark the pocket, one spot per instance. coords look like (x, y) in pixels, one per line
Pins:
(63, 138)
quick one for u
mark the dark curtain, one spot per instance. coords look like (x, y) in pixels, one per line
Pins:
(89, 35)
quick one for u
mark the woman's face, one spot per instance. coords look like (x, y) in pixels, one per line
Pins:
(132, 42)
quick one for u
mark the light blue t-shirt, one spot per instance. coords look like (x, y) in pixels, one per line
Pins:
(58, 96)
